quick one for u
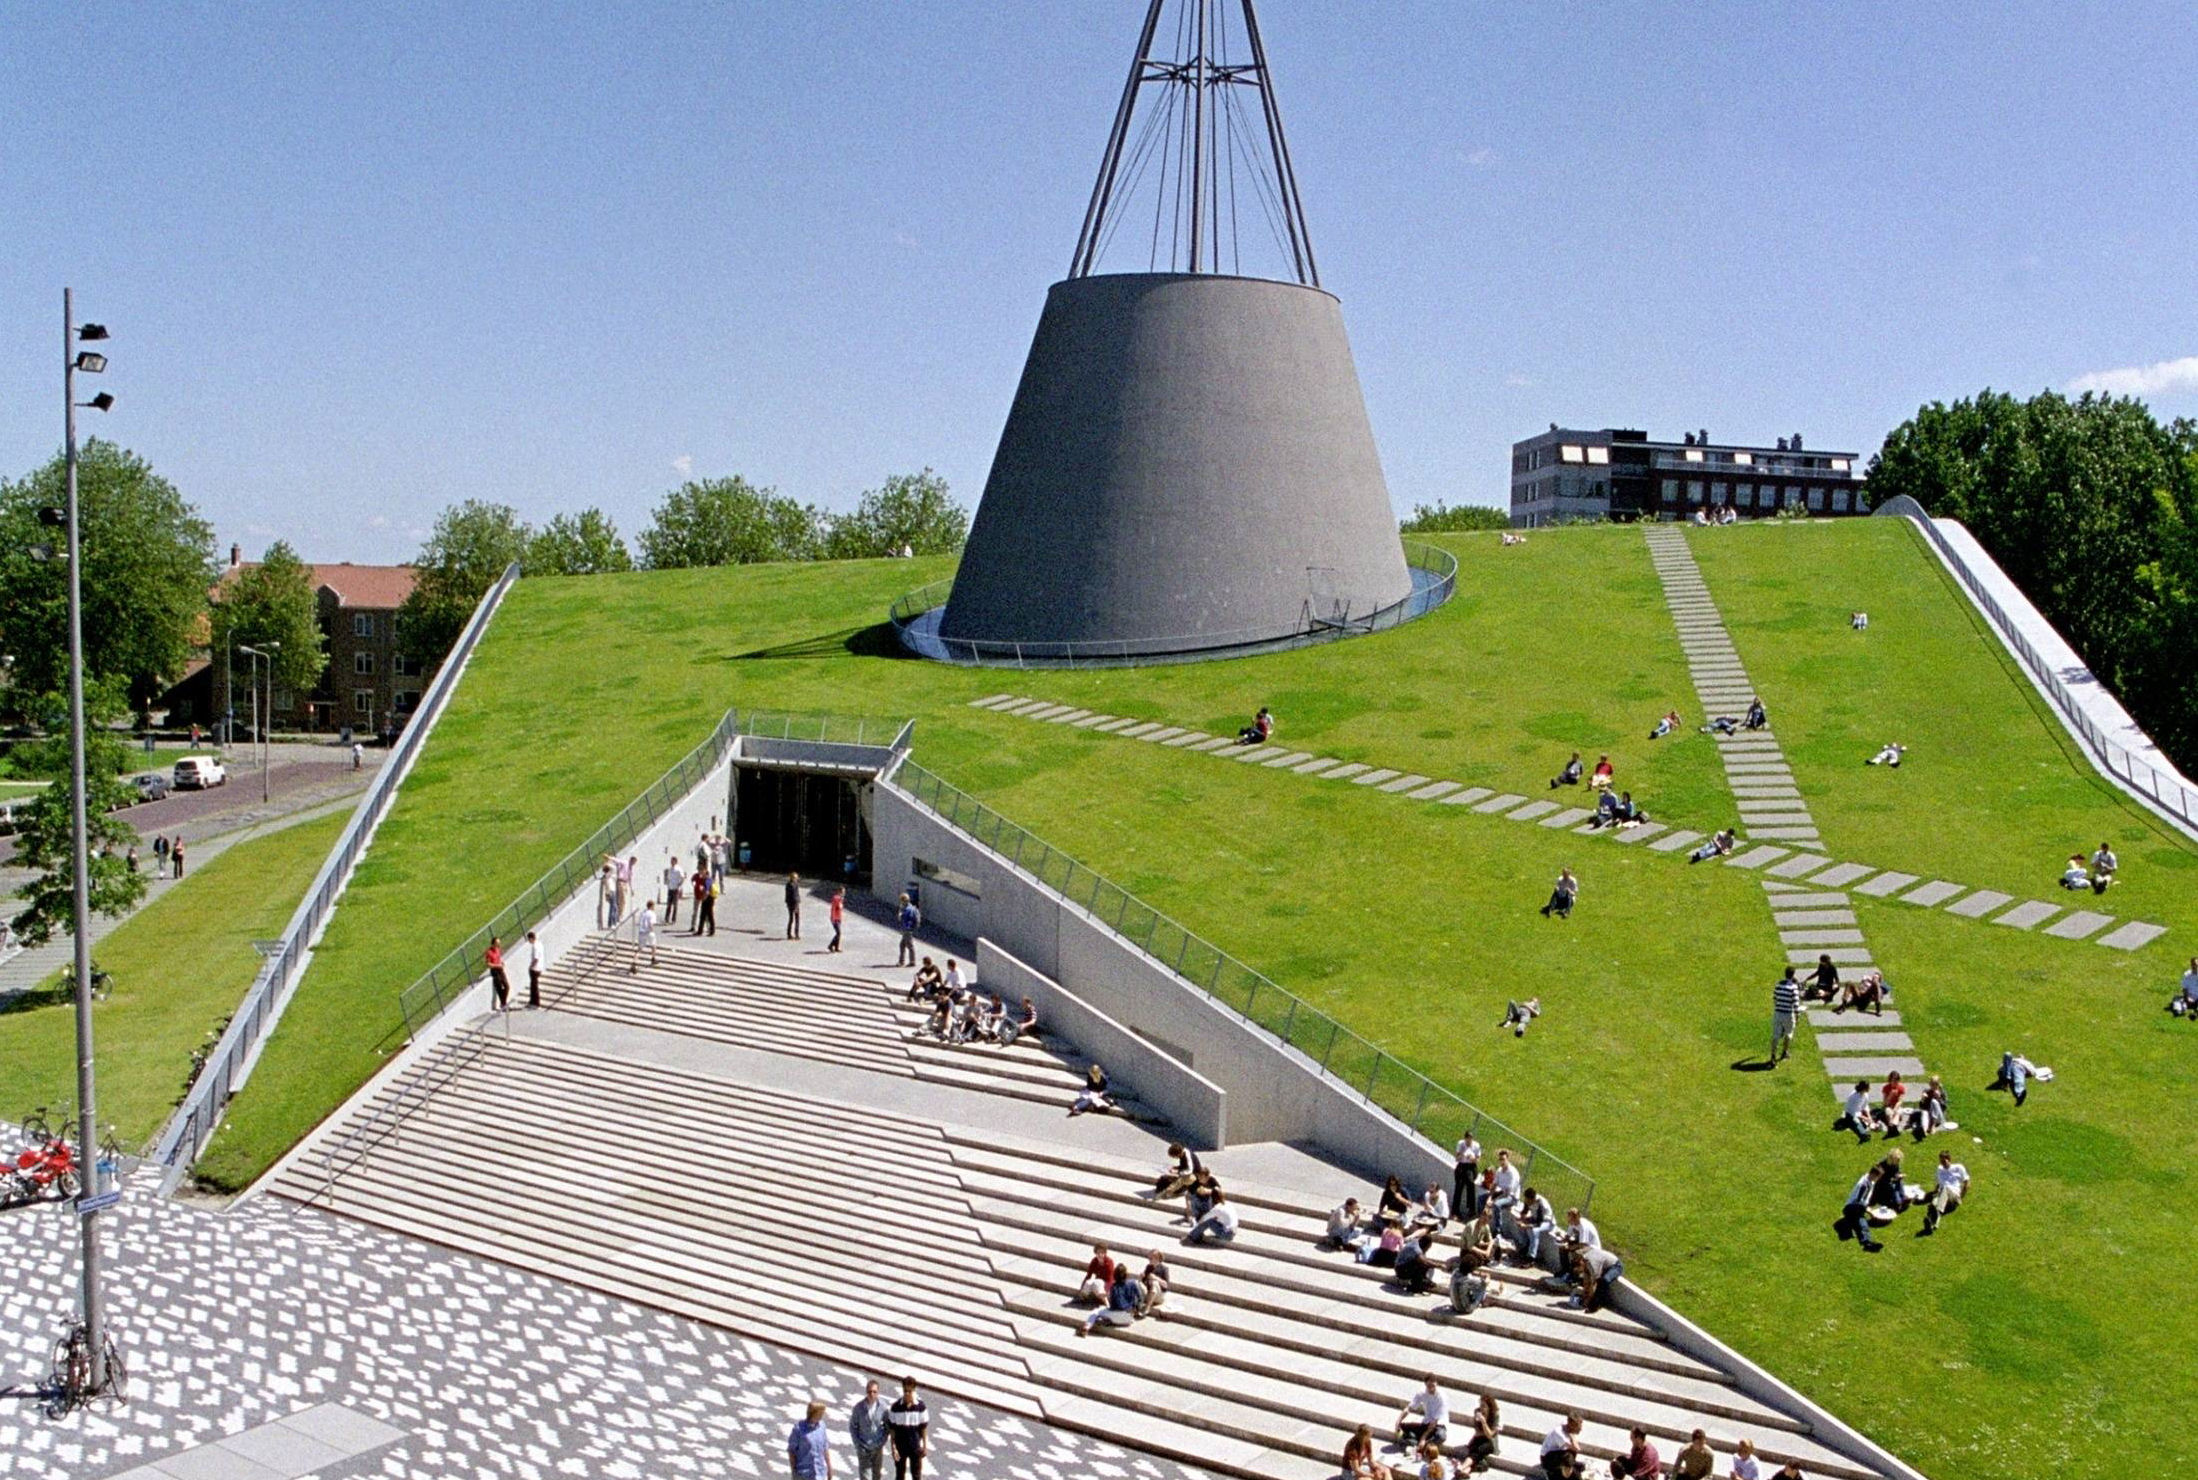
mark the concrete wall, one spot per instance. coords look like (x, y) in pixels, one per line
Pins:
(1196, 1106)
(1182, 449)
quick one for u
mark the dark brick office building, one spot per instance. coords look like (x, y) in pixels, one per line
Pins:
(1565, 474)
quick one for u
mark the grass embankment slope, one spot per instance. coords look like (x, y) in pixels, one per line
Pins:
(1979, 1353)
(180, 965)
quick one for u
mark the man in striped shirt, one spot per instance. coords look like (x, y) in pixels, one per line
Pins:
(910, 1422)
(1785, 1015)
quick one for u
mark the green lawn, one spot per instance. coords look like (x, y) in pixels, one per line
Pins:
(179, 966)
(2006, 1343)
(12, 790)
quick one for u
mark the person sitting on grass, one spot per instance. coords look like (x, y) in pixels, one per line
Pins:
(1854, 1216)
(1563, 896)
(1606, 811)
(1125, 1296)
(1630, 815)
(2015, 1075)
(1666, 725)
(1758, 716)
(1603, 775)
(1867, 993)
(1860, 621)
(1888, 755)
(1259, 731)
(1358, 1457)
(1856, 1114)
(2184, 1004)
(1719, 845)
(1094, 1093)
(1823, 983)
(1953, 1186)
(1518, 1014)
(1930, 1116)
(2077, 875)
(1570, 775)
(2103, 865)
(1617, 811)
(1425, 1417)
(1889, 1096)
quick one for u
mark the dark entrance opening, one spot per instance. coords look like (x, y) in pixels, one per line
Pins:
(801, 822)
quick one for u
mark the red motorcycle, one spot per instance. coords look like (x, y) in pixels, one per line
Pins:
(47, 1170)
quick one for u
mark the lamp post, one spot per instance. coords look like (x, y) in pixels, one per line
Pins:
(264, 756)
(90, 362)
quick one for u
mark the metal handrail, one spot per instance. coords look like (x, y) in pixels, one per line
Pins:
(2173, 797)
(186, 1131)
(1138, 652)
(1418, 1103)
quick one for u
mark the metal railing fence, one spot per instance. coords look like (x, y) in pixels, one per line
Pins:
(1437, 564)
(2166, 790)
(1410, 1097)
(447, 980)
(193, 1121)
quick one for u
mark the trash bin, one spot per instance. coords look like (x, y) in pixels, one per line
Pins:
(345, 739)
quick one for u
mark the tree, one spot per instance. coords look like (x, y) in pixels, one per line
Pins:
(148, 560)
(725, 521)
(913, 511)
(106, 706)
(1442, 518)
(274, 602)
(465, 554)
(2082, 503)
(43, 825)
(582, 544)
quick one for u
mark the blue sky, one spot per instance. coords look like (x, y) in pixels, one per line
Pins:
(364, 260)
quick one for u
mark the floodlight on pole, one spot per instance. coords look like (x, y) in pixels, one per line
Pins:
(100, 402)
(90, 362)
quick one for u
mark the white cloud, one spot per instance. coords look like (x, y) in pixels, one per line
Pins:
(2165, 378)
(684, 465)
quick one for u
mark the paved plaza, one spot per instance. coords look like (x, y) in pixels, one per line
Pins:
(389, 1357)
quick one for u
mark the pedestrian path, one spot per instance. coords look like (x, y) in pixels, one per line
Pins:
(1814, 921)
(1774, 819)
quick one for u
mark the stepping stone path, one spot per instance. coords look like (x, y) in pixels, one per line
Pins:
(1783, 838)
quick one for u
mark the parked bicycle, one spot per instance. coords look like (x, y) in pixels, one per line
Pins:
(70, 1386)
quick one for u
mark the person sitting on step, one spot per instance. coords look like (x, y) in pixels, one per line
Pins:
(1603, 775)
(1124, 1296)
(1639, 1462)
(1415, 1271)
(1426, 1415)
(1889, 755)
(1469, 1286)
(1156, 1281)
(928, 984)
(1098, 1276)
(1561, 1450)
(1518, 1014)
(1024, 1024)
(1666, 725)
(1477, 1245)
(1219, 1223)
(1595, 1273)
(1430, 1213)
(1870, 993)
(1200, 1196)
(942, 1020)
(1358, 1457)
(1758, 717)
(991, 1017)
(1093, 1096)
(1343, 1226)
(1823, 982)
(1695, 1462)
(1487, 1427)
(2103, 865)
(1383, 1248)
(1259, 731)
(1570, 775)
(1395, 1202)
(1183, 1168)
(1719, 845)
(1537, 1220)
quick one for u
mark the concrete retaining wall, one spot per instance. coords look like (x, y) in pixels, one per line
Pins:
(1196, 1106)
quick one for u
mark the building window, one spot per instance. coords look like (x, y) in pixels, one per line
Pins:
(362, 701)
(1839, 465)
(1694, 454)
(1671, 490)
(1839, 500)
(1598, 455)
(408, 700)
(1570, 454)
(1743, 495)
(362, 625)
(407, 666)
(1816, 498)
(1745, 459)
(1694, 490)
(1719, 492)
(362, 664)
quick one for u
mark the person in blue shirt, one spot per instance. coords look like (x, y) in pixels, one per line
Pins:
(808, 1447)
(868, 1427)
(1125, 1301)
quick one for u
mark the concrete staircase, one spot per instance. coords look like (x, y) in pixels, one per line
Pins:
(951, 1246)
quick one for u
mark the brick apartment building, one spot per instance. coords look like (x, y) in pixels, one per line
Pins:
(368, 685)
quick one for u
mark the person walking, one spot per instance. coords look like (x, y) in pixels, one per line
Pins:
(644, 936)
(175, 856)
(1785, 1016)
(606, 895)
(160, 862)
(675, 884)
(623, 875)
(911, 1424)
(809, 1447)
(839, 910)
(358, 756)
(910, 920)
(534, 970)
(793, 906)
(705, 901)
(869, 1431)
(721, 859)
(499, 984)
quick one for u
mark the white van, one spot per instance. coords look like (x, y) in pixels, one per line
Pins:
(194, 772)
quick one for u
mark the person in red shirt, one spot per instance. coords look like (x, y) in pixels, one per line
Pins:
(1890, 1097)
(1641, 1462)
(1603, 774)
(839, 909)
(1098, 1275)
(705, 911)
(498, 983)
